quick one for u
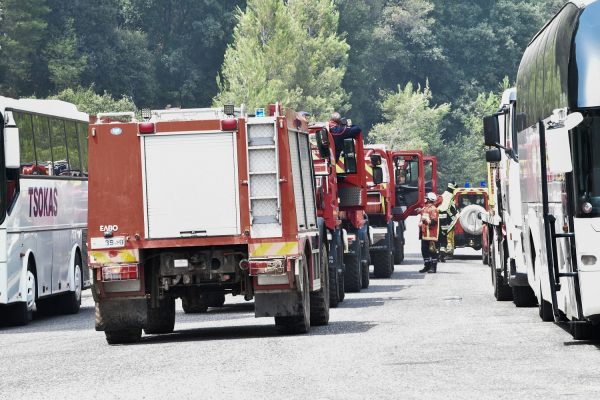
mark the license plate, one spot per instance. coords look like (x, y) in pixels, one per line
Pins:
(108, 243)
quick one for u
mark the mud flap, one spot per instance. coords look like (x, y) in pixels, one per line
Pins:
(286, 304)
(116, 314)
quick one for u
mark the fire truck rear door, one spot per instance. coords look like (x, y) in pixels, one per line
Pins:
(409, 183)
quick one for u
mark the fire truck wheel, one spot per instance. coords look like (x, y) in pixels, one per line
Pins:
(123, 336)
(382, 264)
(524, 296)
(200, 308)
(300, 323)
(353, 277)
(161, 319)
(341, 283)
(334, 284)
(216, 300)
(71, 301)
(320, 300)
(398, 250)
(366, 265)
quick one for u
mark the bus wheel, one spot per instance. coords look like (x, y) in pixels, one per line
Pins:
(22, 312)
(123, 336)
(524, 296)
(71, 301)
(298, 323)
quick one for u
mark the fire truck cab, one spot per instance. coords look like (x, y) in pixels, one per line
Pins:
(195, 202)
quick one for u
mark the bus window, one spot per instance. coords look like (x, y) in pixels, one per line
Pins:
(59, 146)
(27, 149)
(72, 146)
(82, 130)
(43, 150)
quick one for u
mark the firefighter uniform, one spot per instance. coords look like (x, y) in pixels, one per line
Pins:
(339, 132)
(429, 229)
(448, 219)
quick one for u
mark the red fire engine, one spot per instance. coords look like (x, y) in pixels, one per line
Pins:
(195, 202)
(401, 191)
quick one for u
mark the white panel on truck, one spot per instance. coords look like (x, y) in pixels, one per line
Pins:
(191, 185)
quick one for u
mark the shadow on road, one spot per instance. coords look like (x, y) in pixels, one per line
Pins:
(252, 331)
(84, 320)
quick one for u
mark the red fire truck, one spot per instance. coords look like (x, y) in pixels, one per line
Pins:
(189, 203)
(401, 191)
(347, 178)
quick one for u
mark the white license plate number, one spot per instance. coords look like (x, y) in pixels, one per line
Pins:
(108, 243)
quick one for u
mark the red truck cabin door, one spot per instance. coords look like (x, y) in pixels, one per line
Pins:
(409, 180)
(430, 164)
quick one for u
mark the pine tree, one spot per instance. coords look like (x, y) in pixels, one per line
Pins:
(287, 52)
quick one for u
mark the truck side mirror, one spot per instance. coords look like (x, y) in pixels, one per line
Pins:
(323, 143)
(376, 159)
(377, 175)
(12, 153)
(493, 155)
(491, 130)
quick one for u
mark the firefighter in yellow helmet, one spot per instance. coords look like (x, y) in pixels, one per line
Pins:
(429, 229)
(448, 218)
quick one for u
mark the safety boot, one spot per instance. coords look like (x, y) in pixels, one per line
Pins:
(442, 256)
(433, 268)
(427, 267)
(449, 256)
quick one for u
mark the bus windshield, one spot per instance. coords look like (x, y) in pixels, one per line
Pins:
(586, 165)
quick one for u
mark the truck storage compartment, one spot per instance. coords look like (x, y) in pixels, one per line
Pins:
(191, 185)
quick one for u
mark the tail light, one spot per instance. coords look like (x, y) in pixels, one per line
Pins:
(229, 124)
(146, 127)
(266, 267)
(120, 273)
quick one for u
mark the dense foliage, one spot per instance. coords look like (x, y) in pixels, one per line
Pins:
(411, 72)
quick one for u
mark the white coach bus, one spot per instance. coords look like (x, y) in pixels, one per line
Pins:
(43, 208)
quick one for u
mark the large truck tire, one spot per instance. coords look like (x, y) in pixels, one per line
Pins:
(382, 264)
(366, 264)
(319, 299)
(202, 306)
(123, 336)
(501, 291)
(342, 288)
(334, 277)
(216, 300)
(70, 302)
(484, 257)
(300, 323)
(161, 319)
(524, 296)
(353, 277)
(545, 311)
(398, 250)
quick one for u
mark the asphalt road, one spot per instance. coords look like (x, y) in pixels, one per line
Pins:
(411, 336)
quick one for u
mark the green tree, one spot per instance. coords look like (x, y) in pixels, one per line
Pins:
(88, 101)
(287, 52)
(410, 121)
(64, 64)
(22, 29)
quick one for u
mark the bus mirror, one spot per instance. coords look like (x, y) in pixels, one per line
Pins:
(323, 143)
(573, 120)
(491, 130)
(11, 148)
(559, 150)
(377, 175)
(493, 155)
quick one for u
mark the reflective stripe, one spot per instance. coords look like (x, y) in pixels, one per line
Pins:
(274, 249)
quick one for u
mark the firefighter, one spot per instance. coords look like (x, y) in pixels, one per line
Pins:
(429, 228)
(340, 131)
(448, 218)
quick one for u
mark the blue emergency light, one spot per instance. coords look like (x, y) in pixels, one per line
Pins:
(467, 185)
(260, 112)
(483, 184)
